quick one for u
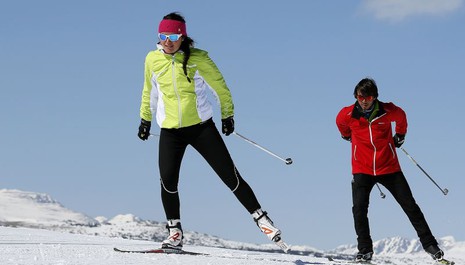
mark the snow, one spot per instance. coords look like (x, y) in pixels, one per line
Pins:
(34, 246)
(35, 229)
(36, 209)
(28, 246)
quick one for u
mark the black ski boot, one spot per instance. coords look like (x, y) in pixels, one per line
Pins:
(364, 256)
(438, 255)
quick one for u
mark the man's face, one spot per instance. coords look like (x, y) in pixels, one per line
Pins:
(365, 101)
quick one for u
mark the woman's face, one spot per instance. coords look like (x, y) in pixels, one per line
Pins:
(171, 42)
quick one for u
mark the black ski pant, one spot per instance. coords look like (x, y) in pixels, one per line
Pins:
(206, 139)
(362, 184)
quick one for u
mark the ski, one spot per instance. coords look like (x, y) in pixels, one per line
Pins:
(343, 261)
(445, 261)
(161, 251)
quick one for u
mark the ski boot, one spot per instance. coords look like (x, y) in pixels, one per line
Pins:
(267, 227)
(364, 256)
(174, 239)
(438, 255)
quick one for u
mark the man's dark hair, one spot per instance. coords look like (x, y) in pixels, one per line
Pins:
(366, 87)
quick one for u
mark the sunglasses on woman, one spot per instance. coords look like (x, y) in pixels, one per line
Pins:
(172, 37)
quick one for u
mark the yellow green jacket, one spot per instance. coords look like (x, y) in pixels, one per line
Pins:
(174, 100)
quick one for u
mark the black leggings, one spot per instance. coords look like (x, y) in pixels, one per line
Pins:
(206, 139)
(397, 185)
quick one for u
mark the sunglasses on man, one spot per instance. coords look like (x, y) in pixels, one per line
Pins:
(367, 98)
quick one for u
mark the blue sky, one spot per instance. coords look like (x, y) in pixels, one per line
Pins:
(71, 82)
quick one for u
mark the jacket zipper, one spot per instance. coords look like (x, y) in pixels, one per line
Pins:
(371, 140)
(374, 153)
(173, 68)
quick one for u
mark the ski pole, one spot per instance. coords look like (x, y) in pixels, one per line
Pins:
(380, 192)
(288, 160)
(444, 191)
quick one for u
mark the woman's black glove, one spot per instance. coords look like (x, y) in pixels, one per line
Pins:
(398, 139)
(227, 125)
(144, 129)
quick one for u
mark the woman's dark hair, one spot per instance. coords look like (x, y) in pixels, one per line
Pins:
(186, 44)
(366, 87)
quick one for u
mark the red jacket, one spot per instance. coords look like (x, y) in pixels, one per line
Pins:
(373, 150)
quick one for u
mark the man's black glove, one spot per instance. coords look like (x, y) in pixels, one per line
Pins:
(398, 139)
(144, 129)
(227, 125)
(347, 138)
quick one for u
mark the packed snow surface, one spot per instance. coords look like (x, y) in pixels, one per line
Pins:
(30, 246)
(35, 229)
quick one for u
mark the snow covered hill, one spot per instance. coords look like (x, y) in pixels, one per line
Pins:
(38, 210)
(21, 213)
(31, 209)
(399, 245)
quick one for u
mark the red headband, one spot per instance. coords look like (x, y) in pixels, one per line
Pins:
(172, 26)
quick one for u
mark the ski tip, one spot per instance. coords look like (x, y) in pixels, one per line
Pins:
(118, 250)
(445, 261)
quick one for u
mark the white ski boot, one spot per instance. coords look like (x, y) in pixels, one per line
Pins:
(266, 225)
(174, 239)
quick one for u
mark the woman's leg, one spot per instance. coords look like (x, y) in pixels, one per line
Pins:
(171, 152)
(210, 145)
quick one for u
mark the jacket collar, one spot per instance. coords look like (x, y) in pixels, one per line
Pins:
(376, 111)
(160, 48)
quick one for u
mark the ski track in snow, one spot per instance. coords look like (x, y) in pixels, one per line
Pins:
(24, 246)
